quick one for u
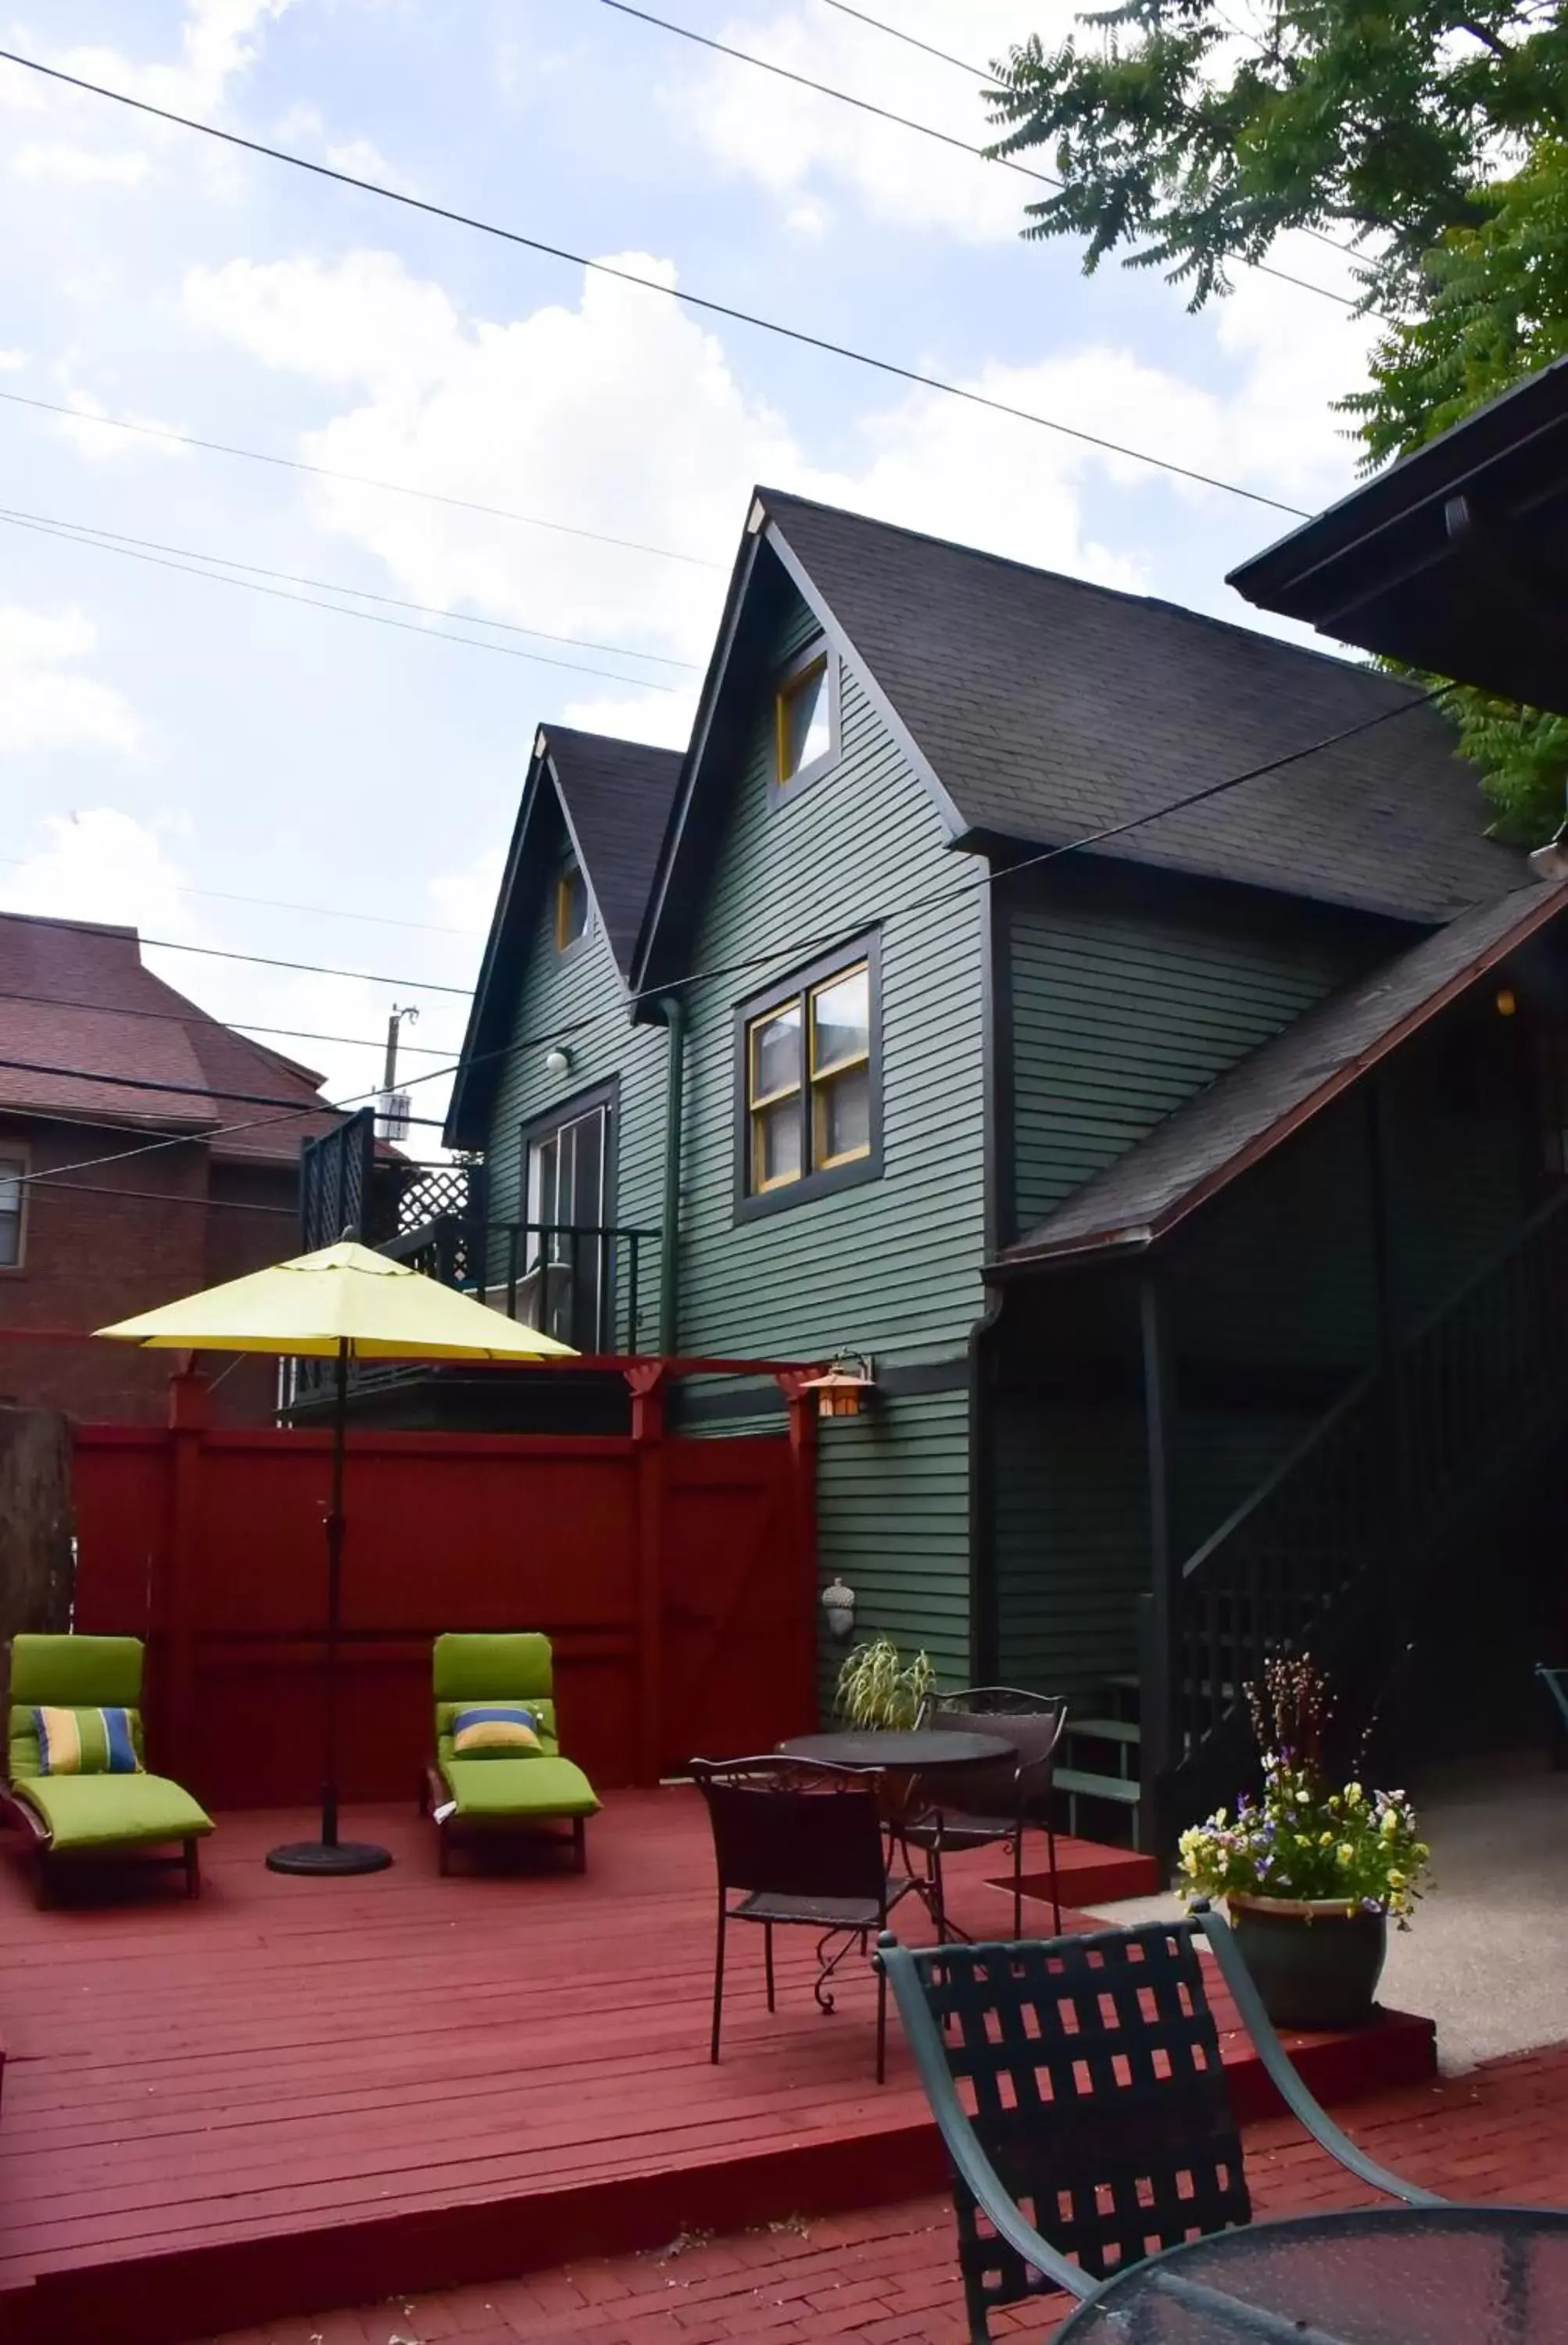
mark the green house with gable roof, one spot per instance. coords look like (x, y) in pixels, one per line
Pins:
(1186, 1164)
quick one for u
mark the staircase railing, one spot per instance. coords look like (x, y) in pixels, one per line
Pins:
(1341, 1534)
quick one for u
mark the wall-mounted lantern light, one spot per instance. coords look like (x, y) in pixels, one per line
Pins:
(839, 1611)
(844, 1387)
(557, 1062)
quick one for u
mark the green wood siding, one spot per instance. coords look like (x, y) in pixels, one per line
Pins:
(1072, 1529)
(892, 1266)
(1125, 1005)
(579, 996)
(894, 1524)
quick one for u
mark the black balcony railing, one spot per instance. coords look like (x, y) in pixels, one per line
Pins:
(594, 1287)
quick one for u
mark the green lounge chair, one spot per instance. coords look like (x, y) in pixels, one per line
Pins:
(77, 1815)
(476, 1796)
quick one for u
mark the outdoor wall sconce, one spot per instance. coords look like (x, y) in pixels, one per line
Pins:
(1506, 1002)
(557, 1061)
(839, 1611)
(843, 1386)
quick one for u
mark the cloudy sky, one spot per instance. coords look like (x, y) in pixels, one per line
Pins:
(173, 744)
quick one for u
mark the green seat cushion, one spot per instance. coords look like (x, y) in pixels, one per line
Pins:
(523, 1787)
(76, 1672)
(114, 1811)
(503, 1667)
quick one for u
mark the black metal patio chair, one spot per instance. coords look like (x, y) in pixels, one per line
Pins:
(803, 1842)
(1080, 2078)
(994, 1802)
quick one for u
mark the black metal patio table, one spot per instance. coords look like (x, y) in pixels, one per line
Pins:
(1383, 2275)
(905, 1756)
(898, 1749)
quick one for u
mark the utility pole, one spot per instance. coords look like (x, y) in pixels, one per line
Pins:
(393, 1106)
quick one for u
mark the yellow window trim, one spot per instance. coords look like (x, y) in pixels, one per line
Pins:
(815, 1084)
(563, 879)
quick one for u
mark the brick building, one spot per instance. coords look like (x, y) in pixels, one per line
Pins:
(98, 1057)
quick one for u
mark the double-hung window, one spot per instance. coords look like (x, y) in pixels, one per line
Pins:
(809, 1083)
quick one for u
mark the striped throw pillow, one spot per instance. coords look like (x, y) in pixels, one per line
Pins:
(87, 1741)
(496, 1730)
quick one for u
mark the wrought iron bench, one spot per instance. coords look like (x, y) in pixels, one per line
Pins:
(1081, 2077)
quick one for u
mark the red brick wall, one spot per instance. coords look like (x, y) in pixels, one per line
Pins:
(123, 1238)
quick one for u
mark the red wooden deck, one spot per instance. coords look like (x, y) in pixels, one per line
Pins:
(299, 2093)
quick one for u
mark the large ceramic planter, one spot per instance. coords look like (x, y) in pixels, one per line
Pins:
(1314, 1965)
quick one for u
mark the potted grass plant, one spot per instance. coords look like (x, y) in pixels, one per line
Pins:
(1312, 1872)
(877, 1687)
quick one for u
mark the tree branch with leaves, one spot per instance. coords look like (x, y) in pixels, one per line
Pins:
(1432, 146)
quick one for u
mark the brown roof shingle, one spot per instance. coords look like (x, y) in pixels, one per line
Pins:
(73, 995)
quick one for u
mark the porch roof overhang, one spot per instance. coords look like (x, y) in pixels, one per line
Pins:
(1199, 1151)
(1452, 560)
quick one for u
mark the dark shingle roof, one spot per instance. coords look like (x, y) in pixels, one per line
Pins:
(1047, 707)
(78, 998)
(618, 796)
(1453, 558)
(1281, 1085)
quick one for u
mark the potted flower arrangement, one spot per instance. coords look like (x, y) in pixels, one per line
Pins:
(1311, 1874)
(877, 1687)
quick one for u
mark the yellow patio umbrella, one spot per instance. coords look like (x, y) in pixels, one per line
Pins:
(343, 1302)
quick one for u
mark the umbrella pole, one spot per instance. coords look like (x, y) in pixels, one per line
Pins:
(330, 1854)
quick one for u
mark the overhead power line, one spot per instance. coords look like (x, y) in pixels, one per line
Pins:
(162, 1197)
(711, 308)
(69, 534)
(284, 904)
(180, 1091)
(239, 1025)
(93, 534)
(269, 960)
(805, 949)
(354, 480)
(907, 122)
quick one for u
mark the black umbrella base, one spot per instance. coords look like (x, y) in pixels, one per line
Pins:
(328, 1856)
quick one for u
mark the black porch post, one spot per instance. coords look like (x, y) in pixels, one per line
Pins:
(1395, 1493)
(1161, 1671)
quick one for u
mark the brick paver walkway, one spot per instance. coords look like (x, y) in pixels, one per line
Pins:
(888, 2277)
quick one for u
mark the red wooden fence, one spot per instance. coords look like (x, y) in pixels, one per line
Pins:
(676, 1577)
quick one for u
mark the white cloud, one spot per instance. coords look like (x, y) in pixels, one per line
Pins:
(101, 864)
(303, 126)
(217, 40)
(47, 702)
(80, 166)
(622, 415)
(792, 139)
(467, 898)
(103, 442)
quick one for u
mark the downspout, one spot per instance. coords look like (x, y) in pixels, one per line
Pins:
(673, 1010)
(985, 1608)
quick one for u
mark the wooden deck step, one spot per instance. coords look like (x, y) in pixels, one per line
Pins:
(1088, 1786)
